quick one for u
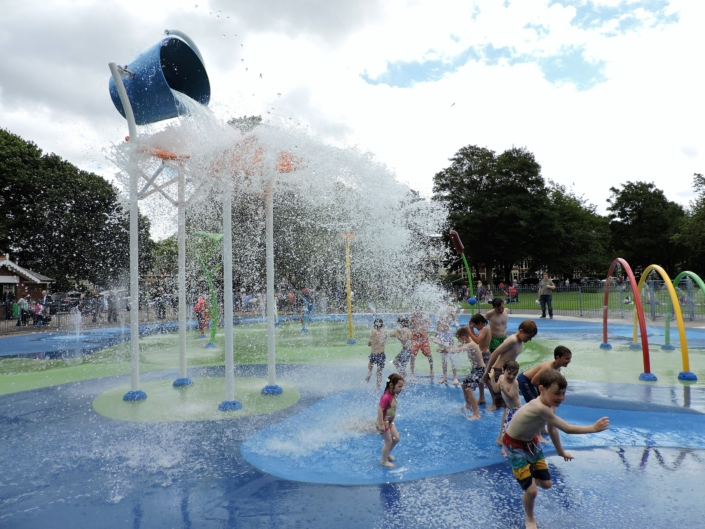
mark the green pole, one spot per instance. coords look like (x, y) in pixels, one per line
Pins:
(467, 269)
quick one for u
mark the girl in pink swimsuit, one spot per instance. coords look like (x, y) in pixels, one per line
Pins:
(386, 411)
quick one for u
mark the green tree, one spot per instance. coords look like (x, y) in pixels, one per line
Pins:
(582, 238)
(166, 255)
(61, 221)
(499, 205)
(691, 236)
(644, 225)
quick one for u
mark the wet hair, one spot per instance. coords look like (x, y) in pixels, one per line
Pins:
(510, 366)
(497, 302)
(462, 332)
(561, 351)
(478, 318)
(403, 321)
(378, 323)
(550, 376)
(529, 327)
(392, 381)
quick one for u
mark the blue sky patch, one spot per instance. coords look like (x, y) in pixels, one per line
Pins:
(571, 66)
(567, 66)
(591, 15)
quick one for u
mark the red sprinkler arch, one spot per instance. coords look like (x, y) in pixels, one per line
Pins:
(646, 375)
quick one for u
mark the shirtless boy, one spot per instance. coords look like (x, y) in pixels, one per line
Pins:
(444, 337)
(473, 379)
(509, 350)
(529, 380)
(482, 339)
(497, 318)
(508, 386)
(420, 324)
(521, 439)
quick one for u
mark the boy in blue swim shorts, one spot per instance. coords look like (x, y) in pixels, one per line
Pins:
(521, 438)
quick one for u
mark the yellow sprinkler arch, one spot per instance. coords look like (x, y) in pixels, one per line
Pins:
(685, 374)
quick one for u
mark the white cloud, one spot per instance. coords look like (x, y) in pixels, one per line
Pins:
(642, 122)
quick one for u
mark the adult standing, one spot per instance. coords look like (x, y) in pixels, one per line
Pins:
(9, 300)
(23, 305)
(546, 288)
(112, 307)
(95, 305)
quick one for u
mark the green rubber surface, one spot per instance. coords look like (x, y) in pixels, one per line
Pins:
(198, 402)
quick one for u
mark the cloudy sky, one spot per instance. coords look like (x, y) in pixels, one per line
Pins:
(601, 91)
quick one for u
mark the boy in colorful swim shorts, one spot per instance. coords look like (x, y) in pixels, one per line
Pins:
(508, 386)
(420, 324)
(509, 350)
(473, 380)
(524, 452)
(378, 338)
(403, 334)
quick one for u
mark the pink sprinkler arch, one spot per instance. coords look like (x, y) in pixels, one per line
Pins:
(647, 375)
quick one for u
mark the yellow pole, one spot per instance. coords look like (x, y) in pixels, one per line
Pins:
(348, 237)
(686, 374)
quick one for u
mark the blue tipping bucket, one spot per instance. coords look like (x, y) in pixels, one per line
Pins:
(174, 63)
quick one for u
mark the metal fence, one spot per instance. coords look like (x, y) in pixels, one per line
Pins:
(588, 302)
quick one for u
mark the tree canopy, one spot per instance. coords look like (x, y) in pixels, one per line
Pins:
(61, 221)
(644, 224)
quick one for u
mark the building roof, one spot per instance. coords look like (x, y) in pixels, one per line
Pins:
(25, 273)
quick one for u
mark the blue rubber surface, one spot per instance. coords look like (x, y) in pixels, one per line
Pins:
(334, 441)
(63, 465)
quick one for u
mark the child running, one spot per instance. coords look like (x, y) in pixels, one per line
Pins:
(524, 452)
(386, 411)
(509, 350)
(472, 380)
(508, 386)
(377, 357)
(403, 334)
(482, 339)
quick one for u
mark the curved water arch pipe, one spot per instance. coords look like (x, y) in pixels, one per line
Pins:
(686, 374)
(647, 374)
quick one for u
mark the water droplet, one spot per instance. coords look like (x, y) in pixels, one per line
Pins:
(246, 69)
(196, 6)
(223, 35)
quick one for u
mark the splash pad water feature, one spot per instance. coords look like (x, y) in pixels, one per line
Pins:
(288, 467)
(205, 472)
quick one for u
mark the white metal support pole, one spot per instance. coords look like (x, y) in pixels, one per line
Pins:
(183, 380)
(135, 393)
(271, 388)
(230, 404)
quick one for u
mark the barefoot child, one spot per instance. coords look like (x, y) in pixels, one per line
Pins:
(482, 339)
(444, 338)
(403, 334)
(386, 411)
(509, 350)
(508, 386)
(521, 439)
(529, 380)
(472, 380)
(420, 324)
(377, 357)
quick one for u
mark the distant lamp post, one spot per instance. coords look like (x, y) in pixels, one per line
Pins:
(460, 250)
(348, 237)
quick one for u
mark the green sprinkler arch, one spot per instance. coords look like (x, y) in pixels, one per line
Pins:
(685, 375)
